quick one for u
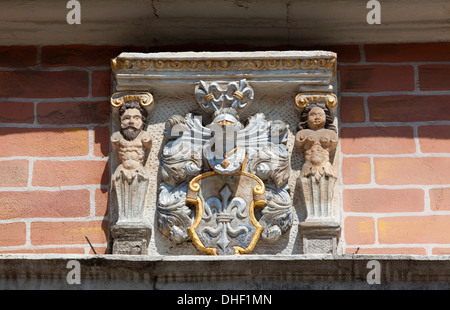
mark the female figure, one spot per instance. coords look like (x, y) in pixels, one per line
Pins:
(317, 139)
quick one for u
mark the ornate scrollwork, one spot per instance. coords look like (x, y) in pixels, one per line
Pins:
(212, 97)
(226, 225)
(119, 98)
(229, 64)
(229, 160)
(302, 100)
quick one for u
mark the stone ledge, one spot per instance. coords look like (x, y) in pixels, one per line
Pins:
(309, 70)
(250, 22)
(276, 272)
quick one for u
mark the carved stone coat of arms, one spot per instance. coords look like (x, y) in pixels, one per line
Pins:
(225, 183)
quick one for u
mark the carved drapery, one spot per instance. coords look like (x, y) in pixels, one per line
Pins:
(229, 174)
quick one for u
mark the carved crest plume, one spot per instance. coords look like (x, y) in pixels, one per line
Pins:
(213, 97)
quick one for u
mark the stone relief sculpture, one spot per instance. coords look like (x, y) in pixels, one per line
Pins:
(317, 139)
(130, 179)
(225, 170)
(221, 182)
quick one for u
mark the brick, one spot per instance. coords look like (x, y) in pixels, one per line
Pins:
(413, 108)
(440, 251)
(434, 139)
(376, 78)
(101, 83)
(352, 110)
(14, 173)
(414, 229)
(83, 112)
(46, 251)
(359, 230)
(68, 173)
(44, 84)
(390, 251)
(48, 233)
(378, 200)
(101, 202)
(81, 55)
(440, 199)
(412, 170)
(378, 140)
(356, 170)
(44, 204)
(35, 142)
(101, 141)
(17, 112)
(345, 53)
(13, 234)
(18, 56)
(410, 52)
(434, 77)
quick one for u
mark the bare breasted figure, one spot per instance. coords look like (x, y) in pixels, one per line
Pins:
(317, 143)
(317, 139)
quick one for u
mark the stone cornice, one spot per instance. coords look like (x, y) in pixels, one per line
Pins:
(49, 271)
(307, 70)
(257, 23)
(235, 61)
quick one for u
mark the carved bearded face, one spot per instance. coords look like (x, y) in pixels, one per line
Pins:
(131, 123)
(316, 118)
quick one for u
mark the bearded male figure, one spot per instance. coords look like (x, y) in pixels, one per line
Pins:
(130, 180)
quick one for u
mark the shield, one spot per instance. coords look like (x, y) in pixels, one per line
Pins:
(226, 224)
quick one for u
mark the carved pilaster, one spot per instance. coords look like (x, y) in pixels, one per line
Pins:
(317, 140)
(130, 179)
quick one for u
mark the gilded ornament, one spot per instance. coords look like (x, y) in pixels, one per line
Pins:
(119, 98)
(303, 99)
(236, 64)
(239, 162)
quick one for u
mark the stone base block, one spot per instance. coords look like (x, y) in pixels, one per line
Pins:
(320, 237)
(130, 238)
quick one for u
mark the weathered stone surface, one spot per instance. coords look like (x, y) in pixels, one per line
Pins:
(238, 163)
(130, 233)
(227, 113)
(250, 22)
(256, 272)
(317, 139)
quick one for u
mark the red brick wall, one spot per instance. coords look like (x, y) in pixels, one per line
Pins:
(54, 132)
(395, 132)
